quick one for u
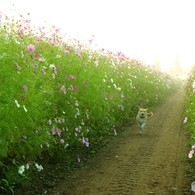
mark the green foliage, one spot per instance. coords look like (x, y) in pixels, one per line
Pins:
(189, 120)
(62, 96)
(190, 103)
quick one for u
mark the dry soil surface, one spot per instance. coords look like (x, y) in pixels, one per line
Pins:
(133, 164)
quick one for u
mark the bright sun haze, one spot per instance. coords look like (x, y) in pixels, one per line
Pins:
(138, 28)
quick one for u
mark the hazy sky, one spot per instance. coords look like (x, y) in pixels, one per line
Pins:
(135, 27)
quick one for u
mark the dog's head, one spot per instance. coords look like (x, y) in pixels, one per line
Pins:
(142, 112)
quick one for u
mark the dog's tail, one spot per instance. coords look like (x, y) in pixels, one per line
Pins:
(149, 114)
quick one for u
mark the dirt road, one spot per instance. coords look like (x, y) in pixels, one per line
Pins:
(133, 164)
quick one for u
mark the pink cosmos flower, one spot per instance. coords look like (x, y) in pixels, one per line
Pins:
(191, 153)
(85, 83)
(30, 48)
(20, 35)
(77, 49)
(78, 54)
(36, 54)
(17, 67)
(58, 132)
(38, 39)
(43, 71)
(91, 40)
(86, 143)
(41, 59)
(67, 77)
(22, 97)
(71, 87)
(53, 131)
(72, 77)
(76, 88)
(66, 52)
(29, 163)
(24, 87)
(36, 65)
(63, 89)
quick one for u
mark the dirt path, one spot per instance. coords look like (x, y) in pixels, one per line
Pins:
(133, 164)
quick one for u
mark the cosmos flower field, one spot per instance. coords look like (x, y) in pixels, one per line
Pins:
(58, 96)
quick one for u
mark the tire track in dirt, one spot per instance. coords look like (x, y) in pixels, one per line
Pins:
(133, 164)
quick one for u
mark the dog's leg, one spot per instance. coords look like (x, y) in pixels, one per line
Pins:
(142, 127)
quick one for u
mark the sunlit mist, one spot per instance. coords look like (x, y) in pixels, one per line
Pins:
(156, 32)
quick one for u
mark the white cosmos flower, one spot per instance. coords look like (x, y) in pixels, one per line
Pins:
(76, 103)
(52, 66)
(39, 167)
(21, 169)
(193, 85)
(50, 122)
(25, 108)
(96, 63)
(27, 166)
(78, 112)
(66, 145)
(17, 104)
(57, 56)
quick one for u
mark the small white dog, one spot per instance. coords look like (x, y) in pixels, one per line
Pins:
(142, 118)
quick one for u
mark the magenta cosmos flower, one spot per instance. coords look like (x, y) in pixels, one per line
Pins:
(66, 52)
(30, 48)
(41, 59)
(24, 87)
